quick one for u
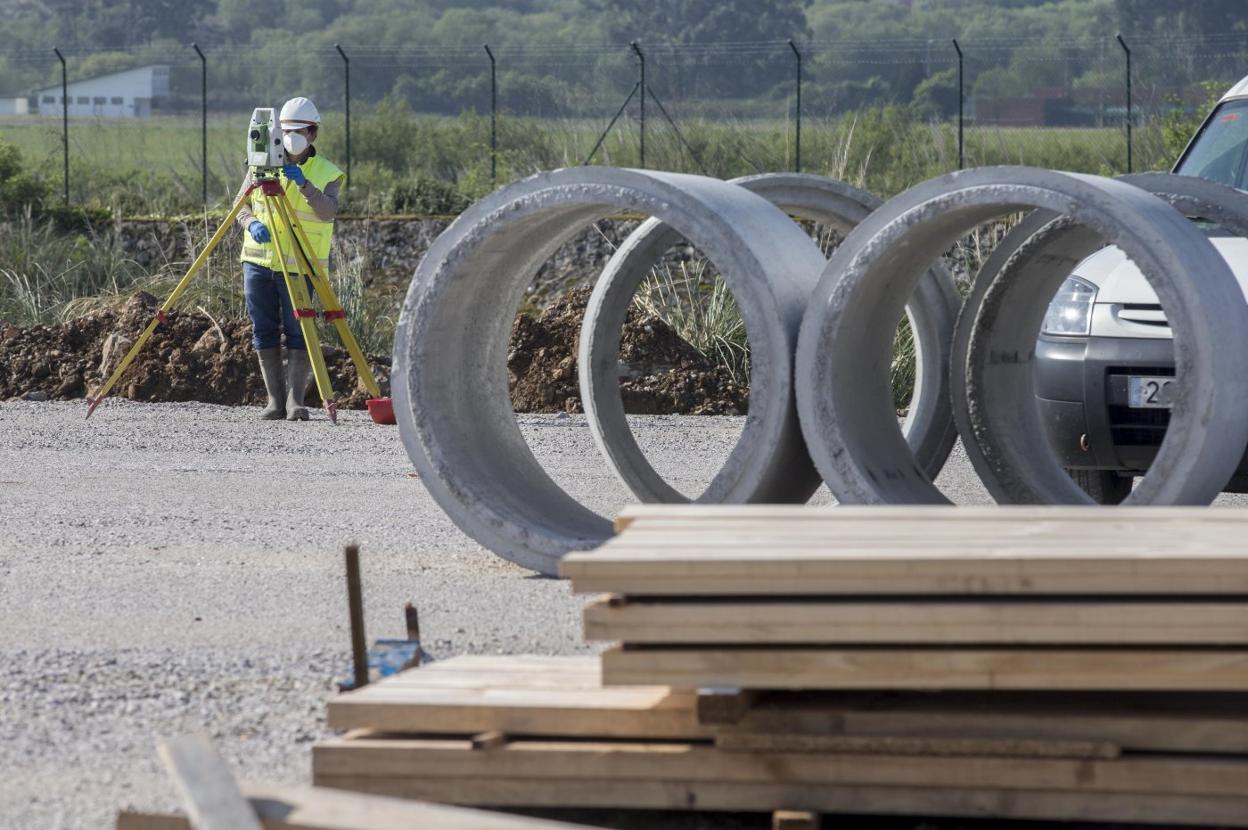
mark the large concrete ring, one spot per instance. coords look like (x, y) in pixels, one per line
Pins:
(1043, 240)
(450, 379)
(843, 348)
(928, 427)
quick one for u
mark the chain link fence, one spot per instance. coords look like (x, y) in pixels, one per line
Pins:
(430, 128)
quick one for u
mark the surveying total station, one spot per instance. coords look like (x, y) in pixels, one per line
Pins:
(265, 158)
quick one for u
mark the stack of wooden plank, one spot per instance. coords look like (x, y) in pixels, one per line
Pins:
(910, 598)
(1051, 663)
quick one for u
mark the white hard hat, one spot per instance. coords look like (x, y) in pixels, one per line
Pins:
(297, 113)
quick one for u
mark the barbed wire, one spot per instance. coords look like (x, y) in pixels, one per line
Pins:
(896, 45)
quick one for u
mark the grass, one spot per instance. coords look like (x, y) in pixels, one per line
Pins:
(696, 304)
(405, 163)
(47, 274)
(52, 277)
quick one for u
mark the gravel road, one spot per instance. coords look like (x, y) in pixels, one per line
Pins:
(174, 567)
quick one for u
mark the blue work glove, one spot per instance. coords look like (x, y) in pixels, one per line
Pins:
(259, 232)
(293, 173)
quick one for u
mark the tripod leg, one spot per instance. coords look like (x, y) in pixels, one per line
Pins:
(329, 301)
(168, 305)
(304, 313)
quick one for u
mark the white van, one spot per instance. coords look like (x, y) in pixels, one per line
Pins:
(1105, 358)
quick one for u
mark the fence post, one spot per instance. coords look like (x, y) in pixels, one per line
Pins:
(346, 95)
(1126, 49)
(961, 104)
(203, 117)
(493, 116)
(642, 85)
(797, 154)
(64, 118)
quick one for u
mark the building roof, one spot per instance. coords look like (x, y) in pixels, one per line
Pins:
(72, 81)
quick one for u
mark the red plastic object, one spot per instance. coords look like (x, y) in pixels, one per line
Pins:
(381, 410)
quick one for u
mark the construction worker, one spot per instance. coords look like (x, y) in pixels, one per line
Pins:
(312, 184)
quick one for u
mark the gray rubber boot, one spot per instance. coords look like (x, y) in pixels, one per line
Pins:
(298, 376)
(274, 383)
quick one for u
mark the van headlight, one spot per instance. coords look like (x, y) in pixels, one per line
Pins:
(1071, 310)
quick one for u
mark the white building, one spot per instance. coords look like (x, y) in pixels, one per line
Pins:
(126, 94)
(14, 106)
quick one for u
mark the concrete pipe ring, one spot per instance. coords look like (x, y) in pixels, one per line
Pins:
(450, 379)
(1044, 241)
(932, 311)
(843, 350)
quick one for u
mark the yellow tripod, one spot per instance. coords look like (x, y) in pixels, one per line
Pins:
(266, 179)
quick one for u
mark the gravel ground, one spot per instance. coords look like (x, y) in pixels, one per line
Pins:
(175, 567)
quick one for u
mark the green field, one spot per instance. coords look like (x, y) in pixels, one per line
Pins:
(405, 163)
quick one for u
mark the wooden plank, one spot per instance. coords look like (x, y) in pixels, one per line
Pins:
(887, 745)
(873, 571)
(736, 533)
(1099, 621)
(637, 698)
(1144, 669)
(765, 542)
(308, 808)
(529, 718)
(570, 761)
(632, 515)
(786, 582)
(758, 550)
(564, 696)
(129, 820)
(926, 801)
(1146, 721)
(874, 556)
(492, 680)
(207, 787)
(795, 820)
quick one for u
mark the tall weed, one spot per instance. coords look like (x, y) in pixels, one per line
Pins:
(697, 305)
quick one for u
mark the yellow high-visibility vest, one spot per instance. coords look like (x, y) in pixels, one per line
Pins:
(318, 171)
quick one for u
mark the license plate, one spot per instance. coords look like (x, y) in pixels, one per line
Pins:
(1149, 392)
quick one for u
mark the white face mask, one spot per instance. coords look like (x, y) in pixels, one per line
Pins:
(294, 143)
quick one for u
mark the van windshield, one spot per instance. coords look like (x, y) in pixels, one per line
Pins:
(1218, 152)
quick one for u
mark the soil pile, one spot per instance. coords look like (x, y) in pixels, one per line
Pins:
(194, 358)
(188, 358)
(660, 373)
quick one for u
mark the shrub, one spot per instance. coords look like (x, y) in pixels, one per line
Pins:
(19, 191)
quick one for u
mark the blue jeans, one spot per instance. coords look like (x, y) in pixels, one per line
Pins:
(270, 309)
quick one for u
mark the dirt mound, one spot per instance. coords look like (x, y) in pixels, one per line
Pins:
(662, 373)
(194, 358)
(188, 358)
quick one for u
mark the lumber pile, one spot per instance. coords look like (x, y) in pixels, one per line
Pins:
(1045, 663)
(923, 598)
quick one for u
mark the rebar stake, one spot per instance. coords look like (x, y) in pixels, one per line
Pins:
(355, 604)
